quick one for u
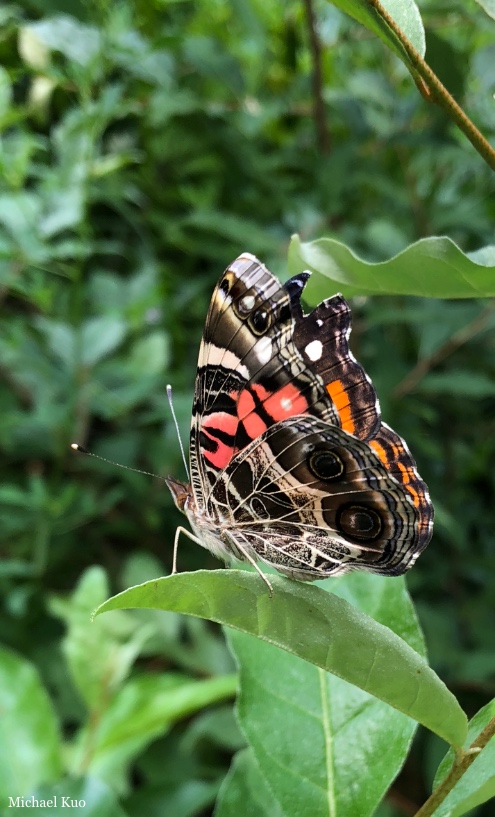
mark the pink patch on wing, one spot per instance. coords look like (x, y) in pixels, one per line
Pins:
(254, 425)
(285, 402)
(224, 452)
(245, 404)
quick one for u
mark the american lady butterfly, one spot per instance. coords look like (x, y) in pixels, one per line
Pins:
(290, 461)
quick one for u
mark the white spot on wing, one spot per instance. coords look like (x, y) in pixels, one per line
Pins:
(247, 303)
(286, 403)
(314, 350)
(263, 350)
(319, 322)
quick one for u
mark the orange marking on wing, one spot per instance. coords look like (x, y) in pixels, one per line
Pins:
(415, 496)
(340, 400)
(406, 474)
(407, 478)
(379, 451)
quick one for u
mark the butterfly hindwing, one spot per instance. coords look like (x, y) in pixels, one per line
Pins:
(319, 489)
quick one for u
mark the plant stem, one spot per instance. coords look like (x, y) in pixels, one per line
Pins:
(431, 87)
(458, 339)
(319, 102)
(461, 764)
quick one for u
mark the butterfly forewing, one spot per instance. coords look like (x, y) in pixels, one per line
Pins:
(250, 373)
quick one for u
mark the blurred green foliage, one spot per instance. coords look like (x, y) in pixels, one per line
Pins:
(143, 146)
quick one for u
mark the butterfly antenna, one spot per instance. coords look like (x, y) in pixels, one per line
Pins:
(82, 450)
(169, 397)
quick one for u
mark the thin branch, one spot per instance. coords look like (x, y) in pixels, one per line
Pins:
(433, 90)
(484, 736)
(322, 134)
(460, 766)
(458, 339)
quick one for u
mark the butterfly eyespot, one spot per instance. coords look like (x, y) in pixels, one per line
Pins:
(360, 523)
(225, 286)
(326, 465)
(260, 321)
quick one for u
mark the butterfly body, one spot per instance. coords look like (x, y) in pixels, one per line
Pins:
(290, 462)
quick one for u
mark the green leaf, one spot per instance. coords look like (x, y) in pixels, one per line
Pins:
(98, 798)
(144, 708)
(330, 728)
(150, 355)
(5, 93)
(30, 747)
(63, 210)
(99, 657)
(488, 6)
(20, 213)
(432, 267)
(404, 12)
(484, 255)
(245, 792)
(186, 799)
(73, 39)
(100, 337)
(60, 339)
(477, 785)
(219, 726)
(317, 626)
(31, 48)
(17, 149)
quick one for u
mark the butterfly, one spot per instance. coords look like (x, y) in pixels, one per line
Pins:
(290, 462)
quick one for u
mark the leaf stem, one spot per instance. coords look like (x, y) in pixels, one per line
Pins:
(462, 762)
(432, 89)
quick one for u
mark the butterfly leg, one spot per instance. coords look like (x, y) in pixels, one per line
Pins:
(178, 532)
(237, 546)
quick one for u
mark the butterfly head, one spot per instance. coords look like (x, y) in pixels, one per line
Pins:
(181, 492)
